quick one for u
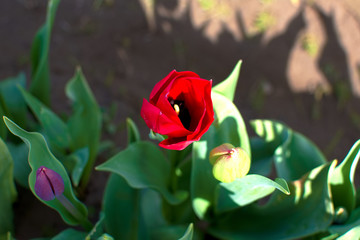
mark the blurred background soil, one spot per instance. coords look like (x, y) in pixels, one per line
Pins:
(301, 63)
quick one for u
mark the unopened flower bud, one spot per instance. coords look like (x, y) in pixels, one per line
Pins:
(49, 184)
(229, 162)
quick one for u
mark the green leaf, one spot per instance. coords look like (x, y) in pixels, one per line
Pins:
(188, 235)
(227, 87)
(22, 169)
(105, 236)
(143, 165)
(246, 190)
(7, 190)
(308, 210)
(151, 211)
(11, 99)
(173, 232)
(40, 155)
(228, 127)
(342, 180)
(262, 157)
(55, 129)
(97, 231)
(353, 233)
(272, 132)
(70, 234)
(40, 80)
(119, 206)
(121, 203)
(297, 156)
(203, 183)
(294, 154)
(85, 123)
(75, 163)
(132, 131)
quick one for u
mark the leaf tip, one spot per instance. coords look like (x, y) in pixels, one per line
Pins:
(6, 120)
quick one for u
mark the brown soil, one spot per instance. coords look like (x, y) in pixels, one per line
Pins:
(125, 47)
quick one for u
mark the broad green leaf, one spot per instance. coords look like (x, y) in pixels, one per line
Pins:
(121, 203)
(132, 131)
(188, 235)
(273, 132)
(297, 156)
(262, 157)
(19, 153)
(353, 233)
(56, 131)
(203, 183)
(342, 180)
(308, 210)
(173, 232)
(7, 190)
(321, 236)
(151, 217)
(97, 231)
(227, 87)
(105, 236)
(228, 127)
(12, 102)
(75, 163)
(40, 155)
(119, 206)
(143, 165)
(183, 212)
(70, 234)
(229, 124)
(85, 123)
(294, 154)
(246, 190)
(40, 79)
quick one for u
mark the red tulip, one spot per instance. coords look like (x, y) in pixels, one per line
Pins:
(180, 107)
(49, 184)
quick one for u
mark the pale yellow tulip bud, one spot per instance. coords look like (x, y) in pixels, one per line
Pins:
(229, 162)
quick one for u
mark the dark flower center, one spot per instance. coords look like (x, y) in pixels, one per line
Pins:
(182, 112)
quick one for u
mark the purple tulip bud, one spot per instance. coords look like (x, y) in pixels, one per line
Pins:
(49, 184)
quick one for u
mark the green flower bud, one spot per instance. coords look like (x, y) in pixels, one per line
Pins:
(229, 162)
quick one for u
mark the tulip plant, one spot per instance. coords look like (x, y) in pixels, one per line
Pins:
(198, 175)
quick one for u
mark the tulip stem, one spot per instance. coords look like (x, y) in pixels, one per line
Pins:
(177, 158)
(75, 212)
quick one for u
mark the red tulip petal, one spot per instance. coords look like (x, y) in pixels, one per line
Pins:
(160, 116)
(175, 143)
(208, 116)
(159, 122)
(165, 107)
(160, 86)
